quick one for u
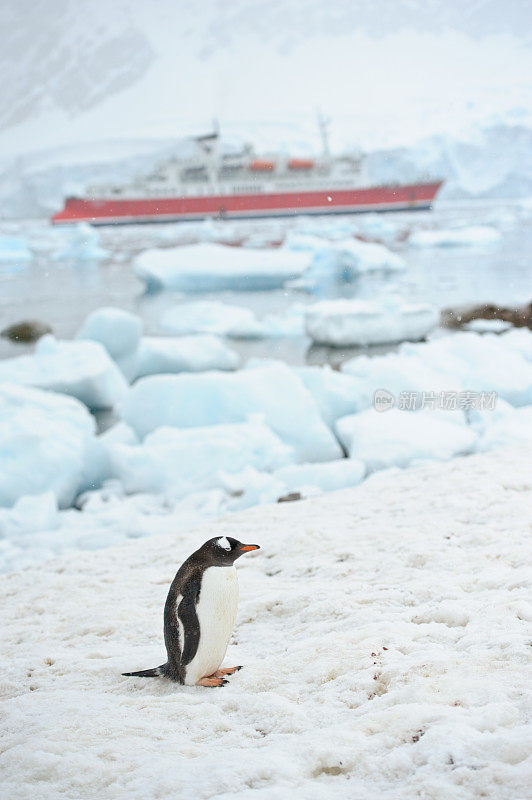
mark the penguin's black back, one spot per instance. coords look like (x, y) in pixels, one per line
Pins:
(187, 584)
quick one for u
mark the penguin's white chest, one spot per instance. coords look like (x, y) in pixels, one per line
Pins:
(216, 610)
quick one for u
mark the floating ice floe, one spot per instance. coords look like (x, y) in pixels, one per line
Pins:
(342, 260)
(47, 444)
(184, 461)
(473, 236)
(344, 323)
(290, 322)
(215, 267)
(80, 243)
(487, 325)
(236, 322)
(397, 438)
(353, 257)
(162, 354)
(211, 316)
(326, 227)
(82, 369)
(376, 226)
(13, 250)
(210, 398)
(119, 332)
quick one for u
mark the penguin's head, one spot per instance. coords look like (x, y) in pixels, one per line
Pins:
(223, 551)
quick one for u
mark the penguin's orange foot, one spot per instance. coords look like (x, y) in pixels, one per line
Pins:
(225, 671)
(211, 681)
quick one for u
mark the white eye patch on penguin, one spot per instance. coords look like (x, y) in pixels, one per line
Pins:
(199, 615)
(223, 542)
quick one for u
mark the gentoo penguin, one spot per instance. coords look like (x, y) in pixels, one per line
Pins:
(199, 615)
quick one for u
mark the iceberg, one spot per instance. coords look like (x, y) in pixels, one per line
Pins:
(480, 363)
(472, 236)
(119, 332)
(80, 243)
(185, 461)
(343, 260)
(398, 438)
(162, 354)
(82, 369)
(211, 398)
(47, 444)
(349, 257)
(336, 394)
(13, 249)
(344, 323)
(463, 362)
(236, 322)
(290, 322)
(119, 433)
(210, 316)
(397, 373)
(209, 267)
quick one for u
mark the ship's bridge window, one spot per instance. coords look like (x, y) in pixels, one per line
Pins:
(249, 188)
(229, 170)
(194, 174)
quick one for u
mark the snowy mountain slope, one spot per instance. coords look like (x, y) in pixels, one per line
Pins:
(163, 67)
(71, 54)
(66, 55)
(382, 629)
(86, 77)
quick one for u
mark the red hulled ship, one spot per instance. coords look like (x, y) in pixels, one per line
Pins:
(238, 185)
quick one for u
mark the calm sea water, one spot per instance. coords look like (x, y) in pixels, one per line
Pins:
(62, 293)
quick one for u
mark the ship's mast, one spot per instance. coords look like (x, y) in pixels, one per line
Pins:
(215, 154)
(323, 124)
(209, 148)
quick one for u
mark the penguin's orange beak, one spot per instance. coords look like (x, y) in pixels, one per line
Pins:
(246, 547)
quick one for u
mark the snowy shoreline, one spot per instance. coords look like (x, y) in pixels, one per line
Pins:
(382, 630)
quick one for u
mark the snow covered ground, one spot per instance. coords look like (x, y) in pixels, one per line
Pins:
(382, 629)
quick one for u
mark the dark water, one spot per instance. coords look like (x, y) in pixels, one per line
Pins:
(62, 292)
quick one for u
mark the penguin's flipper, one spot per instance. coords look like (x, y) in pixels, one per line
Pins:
(143, 673)
(186, 611)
